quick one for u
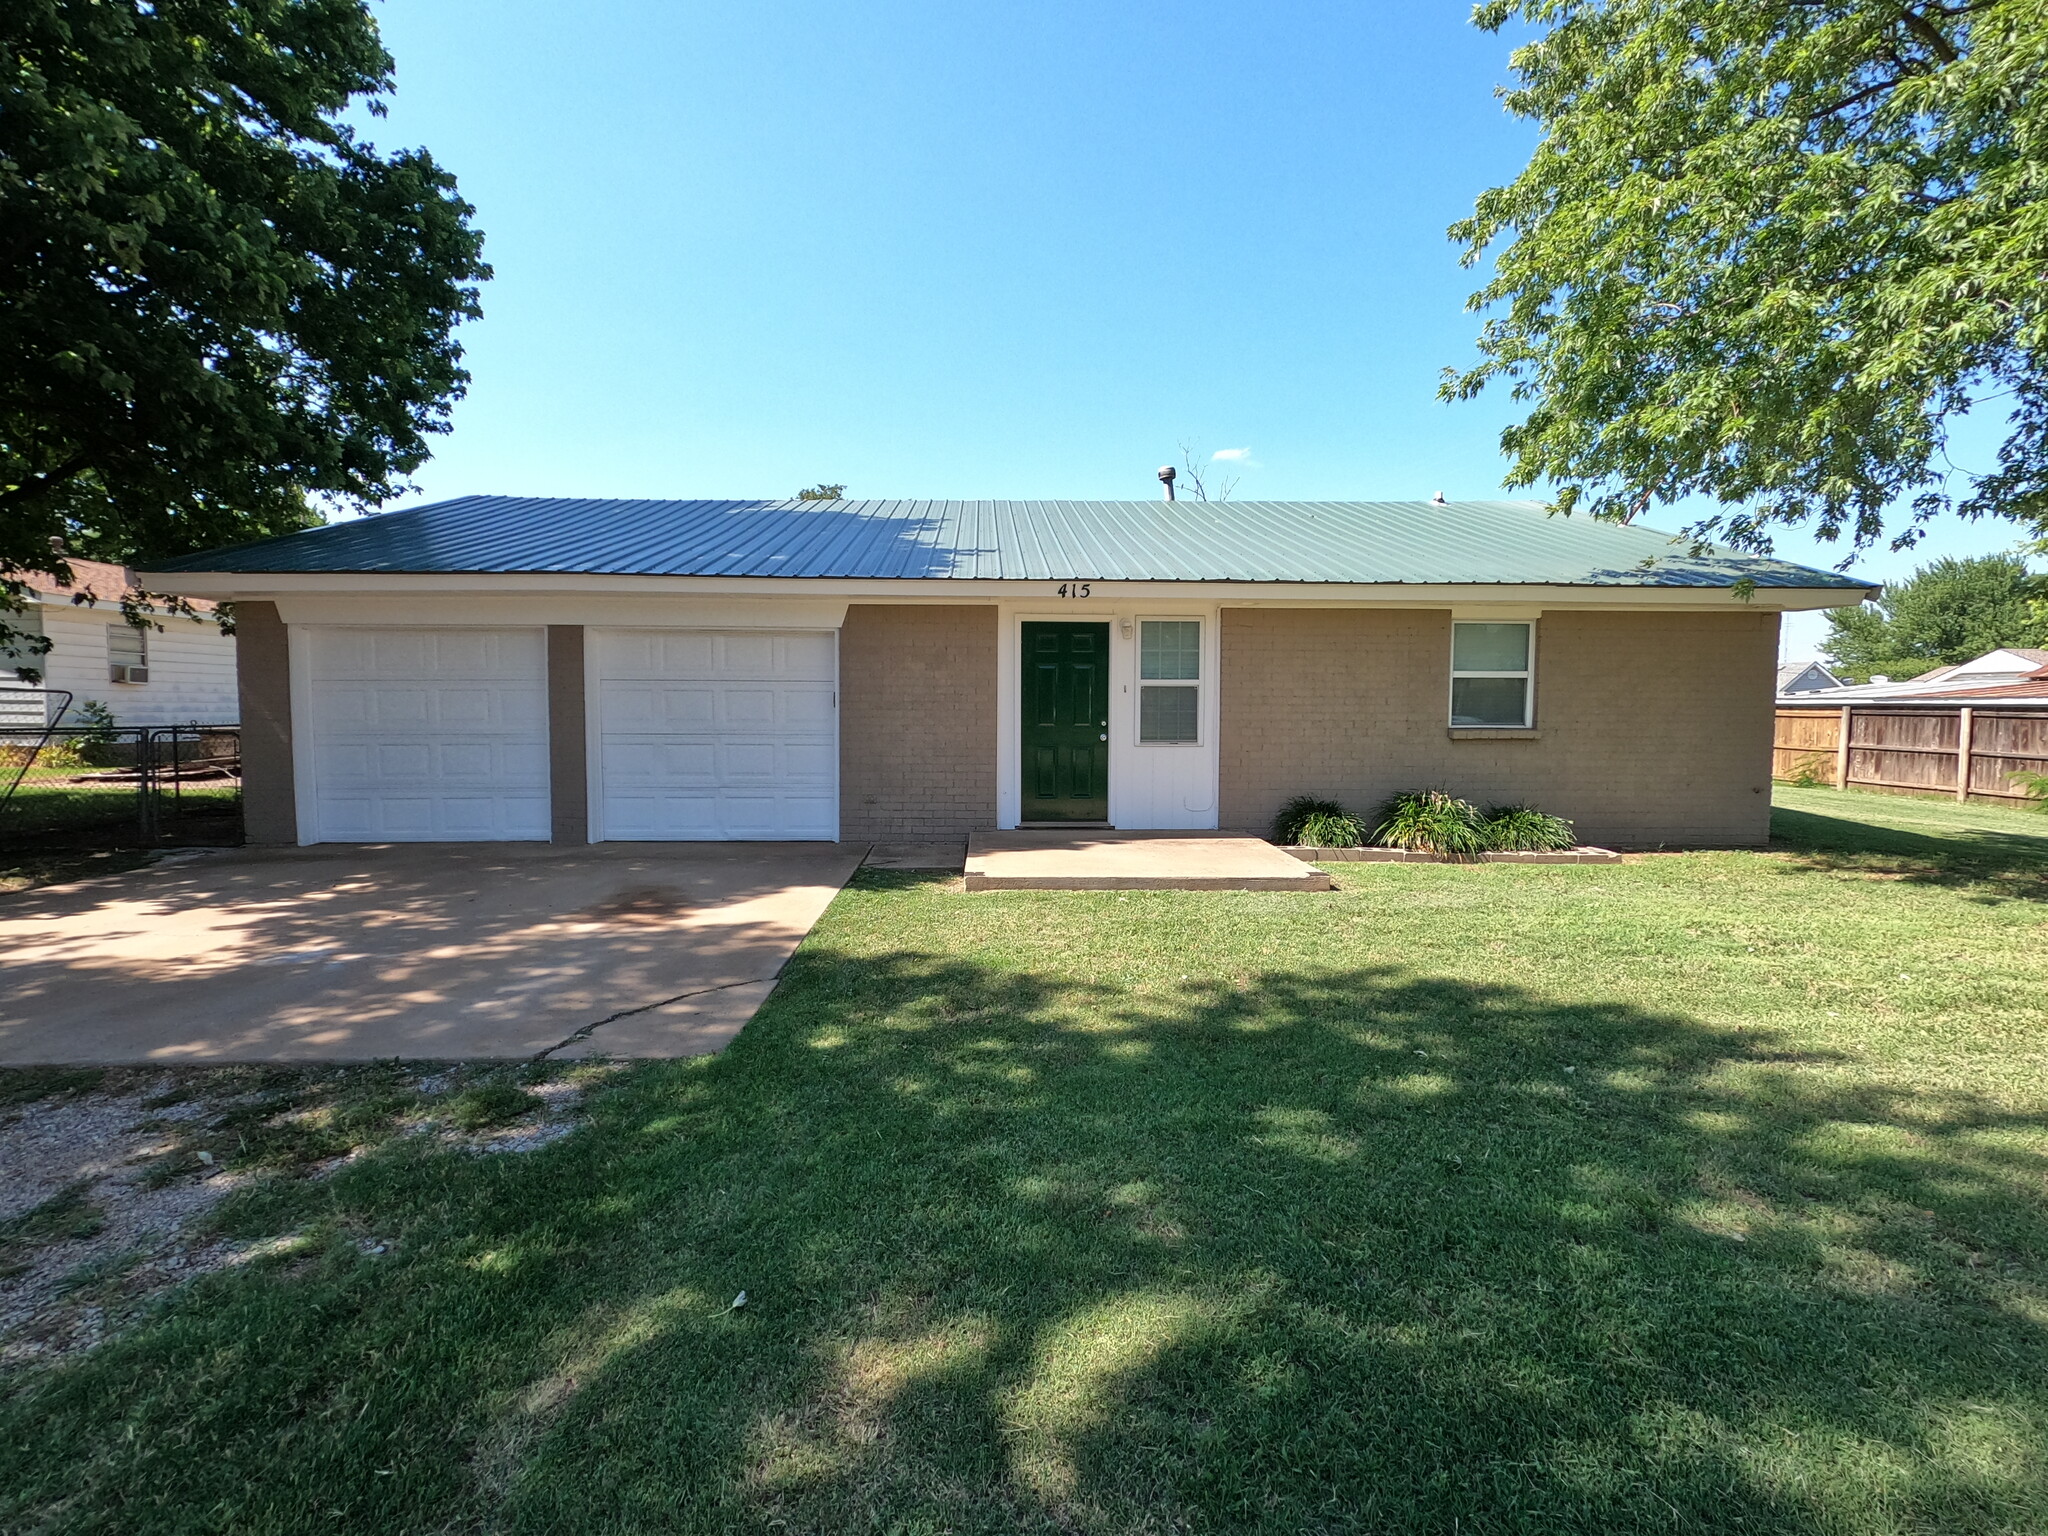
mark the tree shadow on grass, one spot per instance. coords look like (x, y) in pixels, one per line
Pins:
(1997, 866)
(1353, 1250)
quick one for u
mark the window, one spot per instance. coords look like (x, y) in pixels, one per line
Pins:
(1169, 672)
(1490, 674)
(127, 654)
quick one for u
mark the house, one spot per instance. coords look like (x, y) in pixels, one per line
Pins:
(1805, 677)
(1977, 730)
(500, 667)
(2016, 674)
(177, 672)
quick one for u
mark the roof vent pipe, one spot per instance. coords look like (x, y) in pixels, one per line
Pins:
(1166, 477)
(1438, 500)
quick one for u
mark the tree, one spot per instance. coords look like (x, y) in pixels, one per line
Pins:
(1946, 612)
(822, 492)
(1196, 471)
(1768, 251)
(217, 300)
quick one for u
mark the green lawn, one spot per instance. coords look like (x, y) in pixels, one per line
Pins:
(1705, 1192)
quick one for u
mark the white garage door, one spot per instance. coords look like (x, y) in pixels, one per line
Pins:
(428, 735)
(712, 735)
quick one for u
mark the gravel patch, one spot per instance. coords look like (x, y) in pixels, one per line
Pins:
(98, 1149)
(104, 1190)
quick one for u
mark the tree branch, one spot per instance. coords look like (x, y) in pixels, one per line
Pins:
(29, 490)
(1929, 34)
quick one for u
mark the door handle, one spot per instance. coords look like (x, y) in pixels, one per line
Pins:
(1103, 737)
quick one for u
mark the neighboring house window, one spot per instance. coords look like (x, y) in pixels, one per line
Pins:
(1490, 674)
(1169, 673)
(127, 654)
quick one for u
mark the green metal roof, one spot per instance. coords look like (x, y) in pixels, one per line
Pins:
(1487, 543)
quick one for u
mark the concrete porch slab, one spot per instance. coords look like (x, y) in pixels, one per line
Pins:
(345, 952)
(1134, 861)
(949, 854)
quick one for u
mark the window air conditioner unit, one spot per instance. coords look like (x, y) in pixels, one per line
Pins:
(122, 674)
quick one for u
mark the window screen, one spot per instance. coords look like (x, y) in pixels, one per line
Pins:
(1490, 674)
(1166, 714)
(1169, 649)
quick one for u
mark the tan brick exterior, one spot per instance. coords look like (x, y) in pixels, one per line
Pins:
(263, 674)
(917, 721)
(1652, 728)
(568, 748)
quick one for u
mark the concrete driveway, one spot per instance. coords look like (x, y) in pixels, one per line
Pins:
(473, 951)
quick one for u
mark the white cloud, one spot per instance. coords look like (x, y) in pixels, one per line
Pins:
(1230, 456)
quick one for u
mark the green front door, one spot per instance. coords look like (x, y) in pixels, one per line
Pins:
(1066, 722)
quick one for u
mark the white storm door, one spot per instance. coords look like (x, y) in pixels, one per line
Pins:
(427, 735)
(717, 735)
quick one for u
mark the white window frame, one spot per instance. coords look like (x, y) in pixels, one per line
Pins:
(1139, 682)
(1527, 674)
(141, 655)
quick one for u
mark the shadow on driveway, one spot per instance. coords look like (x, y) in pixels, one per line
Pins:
(349, 952)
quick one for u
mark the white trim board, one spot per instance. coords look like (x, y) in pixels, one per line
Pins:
(1164, 798)
(288, 586)
(681, 610)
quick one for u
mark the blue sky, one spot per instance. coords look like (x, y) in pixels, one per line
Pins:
(984, 250)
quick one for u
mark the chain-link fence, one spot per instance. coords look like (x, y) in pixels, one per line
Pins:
(103, 786)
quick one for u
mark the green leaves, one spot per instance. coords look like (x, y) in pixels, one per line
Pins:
(1766, 252)
(1950, 611)
(216, 301)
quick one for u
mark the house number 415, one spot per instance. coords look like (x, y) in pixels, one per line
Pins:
(1074, 588)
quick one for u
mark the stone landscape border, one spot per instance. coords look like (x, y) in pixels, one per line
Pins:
(1312, 855)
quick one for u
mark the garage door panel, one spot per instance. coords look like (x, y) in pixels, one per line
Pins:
(743, 760)
(747, 709)
(663, 817)
(659, 707)
(807, 707)
(711, 735)
(814, 657)
(748, 655)
(817, 762)
(428, 735)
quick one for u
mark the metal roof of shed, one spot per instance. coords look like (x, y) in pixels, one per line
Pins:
(1377, 542)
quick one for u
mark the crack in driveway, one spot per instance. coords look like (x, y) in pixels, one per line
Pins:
(626, 1013)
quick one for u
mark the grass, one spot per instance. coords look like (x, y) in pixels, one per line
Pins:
(66, 1215)
(1703, 1192)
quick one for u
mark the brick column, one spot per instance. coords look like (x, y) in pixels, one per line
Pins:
(568, 746)
(263, 675)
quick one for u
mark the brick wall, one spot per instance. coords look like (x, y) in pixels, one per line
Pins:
(917, 721)
(264, 675)
(1651, 728)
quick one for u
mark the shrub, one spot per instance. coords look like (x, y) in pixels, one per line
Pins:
(1431, 821)
(1814, 772)
(1296, 814)
(2034, 786)
(1320, 829)
(1524, 829)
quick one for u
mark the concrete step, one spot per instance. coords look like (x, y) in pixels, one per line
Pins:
(1127, 861)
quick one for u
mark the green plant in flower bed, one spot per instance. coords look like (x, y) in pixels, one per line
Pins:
(1431, 821)
(1323, 830)
(2034, 785)
(1305, 815)
(1524, 829)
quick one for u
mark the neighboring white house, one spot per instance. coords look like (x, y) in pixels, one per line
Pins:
(1805, 677)
(180, 674)
(2013, 673)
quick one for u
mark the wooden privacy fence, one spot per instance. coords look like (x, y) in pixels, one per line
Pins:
(1970, 753)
